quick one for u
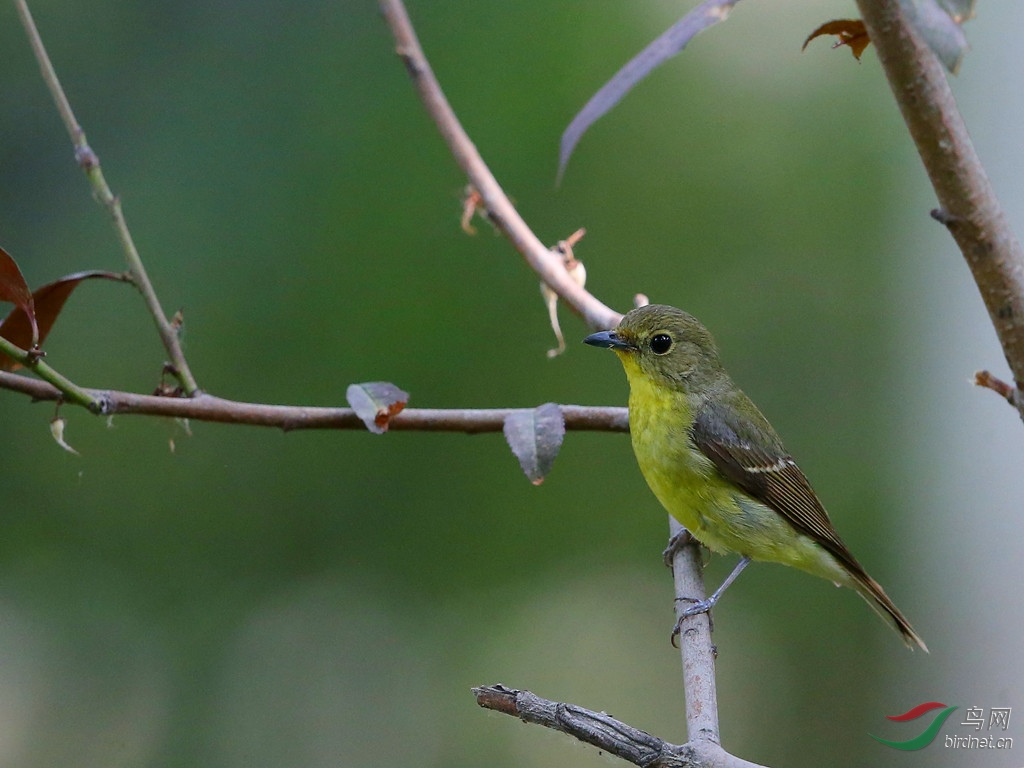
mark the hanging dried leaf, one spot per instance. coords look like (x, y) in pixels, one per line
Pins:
(577, 272)
(535, 438)
(57, 430)
(851, 32)
(375, 402)
(472, 202)
(48, 302)
(937, 21)
(14, 289)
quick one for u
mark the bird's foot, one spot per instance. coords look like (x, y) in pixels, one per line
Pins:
(675, 543)
(698, 607)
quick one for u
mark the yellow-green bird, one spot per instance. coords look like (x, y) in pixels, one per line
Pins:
(717, 465)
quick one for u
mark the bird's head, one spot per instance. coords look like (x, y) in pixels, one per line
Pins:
(666, 345)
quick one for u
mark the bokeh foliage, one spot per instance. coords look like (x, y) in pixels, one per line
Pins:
(255, 598)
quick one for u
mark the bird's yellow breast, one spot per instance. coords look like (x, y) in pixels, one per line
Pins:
(689, 486)
(681, 477)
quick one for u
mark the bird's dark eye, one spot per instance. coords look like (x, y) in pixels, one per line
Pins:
(661, 343)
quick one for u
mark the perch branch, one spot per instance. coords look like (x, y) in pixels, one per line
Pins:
(90, 163)
(548, 266)
(970, 210)
(695, 647)
(702, 710)
(205, 407)
(605, 732)
(697, 651)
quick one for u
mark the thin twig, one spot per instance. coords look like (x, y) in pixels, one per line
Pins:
(605, 732)
(60, 387)
(205, 407)
(970, 209)
(90, 163)
(1007, 391)
(500, 211)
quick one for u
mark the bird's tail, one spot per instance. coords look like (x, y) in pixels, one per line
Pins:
(880, 603)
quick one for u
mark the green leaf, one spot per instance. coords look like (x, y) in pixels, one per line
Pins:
(535, 436)
(375, 402)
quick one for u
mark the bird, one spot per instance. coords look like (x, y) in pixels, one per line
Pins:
(716, 464)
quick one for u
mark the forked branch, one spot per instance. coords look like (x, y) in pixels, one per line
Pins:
(970, 210)
(697, 651)
(605, 732)
(90, 163)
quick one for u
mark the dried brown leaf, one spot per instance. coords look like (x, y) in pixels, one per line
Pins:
(576, 271)
(851, 32)
(472, 201)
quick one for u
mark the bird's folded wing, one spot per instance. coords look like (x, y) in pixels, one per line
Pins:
(747, 451)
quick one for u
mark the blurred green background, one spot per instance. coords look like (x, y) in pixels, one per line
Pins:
(252, 598)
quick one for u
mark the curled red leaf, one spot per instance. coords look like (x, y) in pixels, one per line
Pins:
(26, 330)
(14, 289)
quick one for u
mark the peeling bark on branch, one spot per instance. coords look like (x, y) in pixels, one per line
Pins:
(605, 732)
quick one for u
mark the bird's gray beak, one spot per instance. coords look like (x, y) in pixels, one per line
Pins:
(608, 340)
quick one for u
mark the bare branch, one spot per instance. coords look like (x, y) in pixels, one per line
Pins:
(500, 211)
(90, 163)
(605, 732)
(970, 210)
(205, 407)
(703, 749)
(695, 646)
(698, 653)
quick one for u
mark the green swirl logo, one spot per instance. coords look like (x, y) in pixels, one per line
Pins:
(927, 736)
